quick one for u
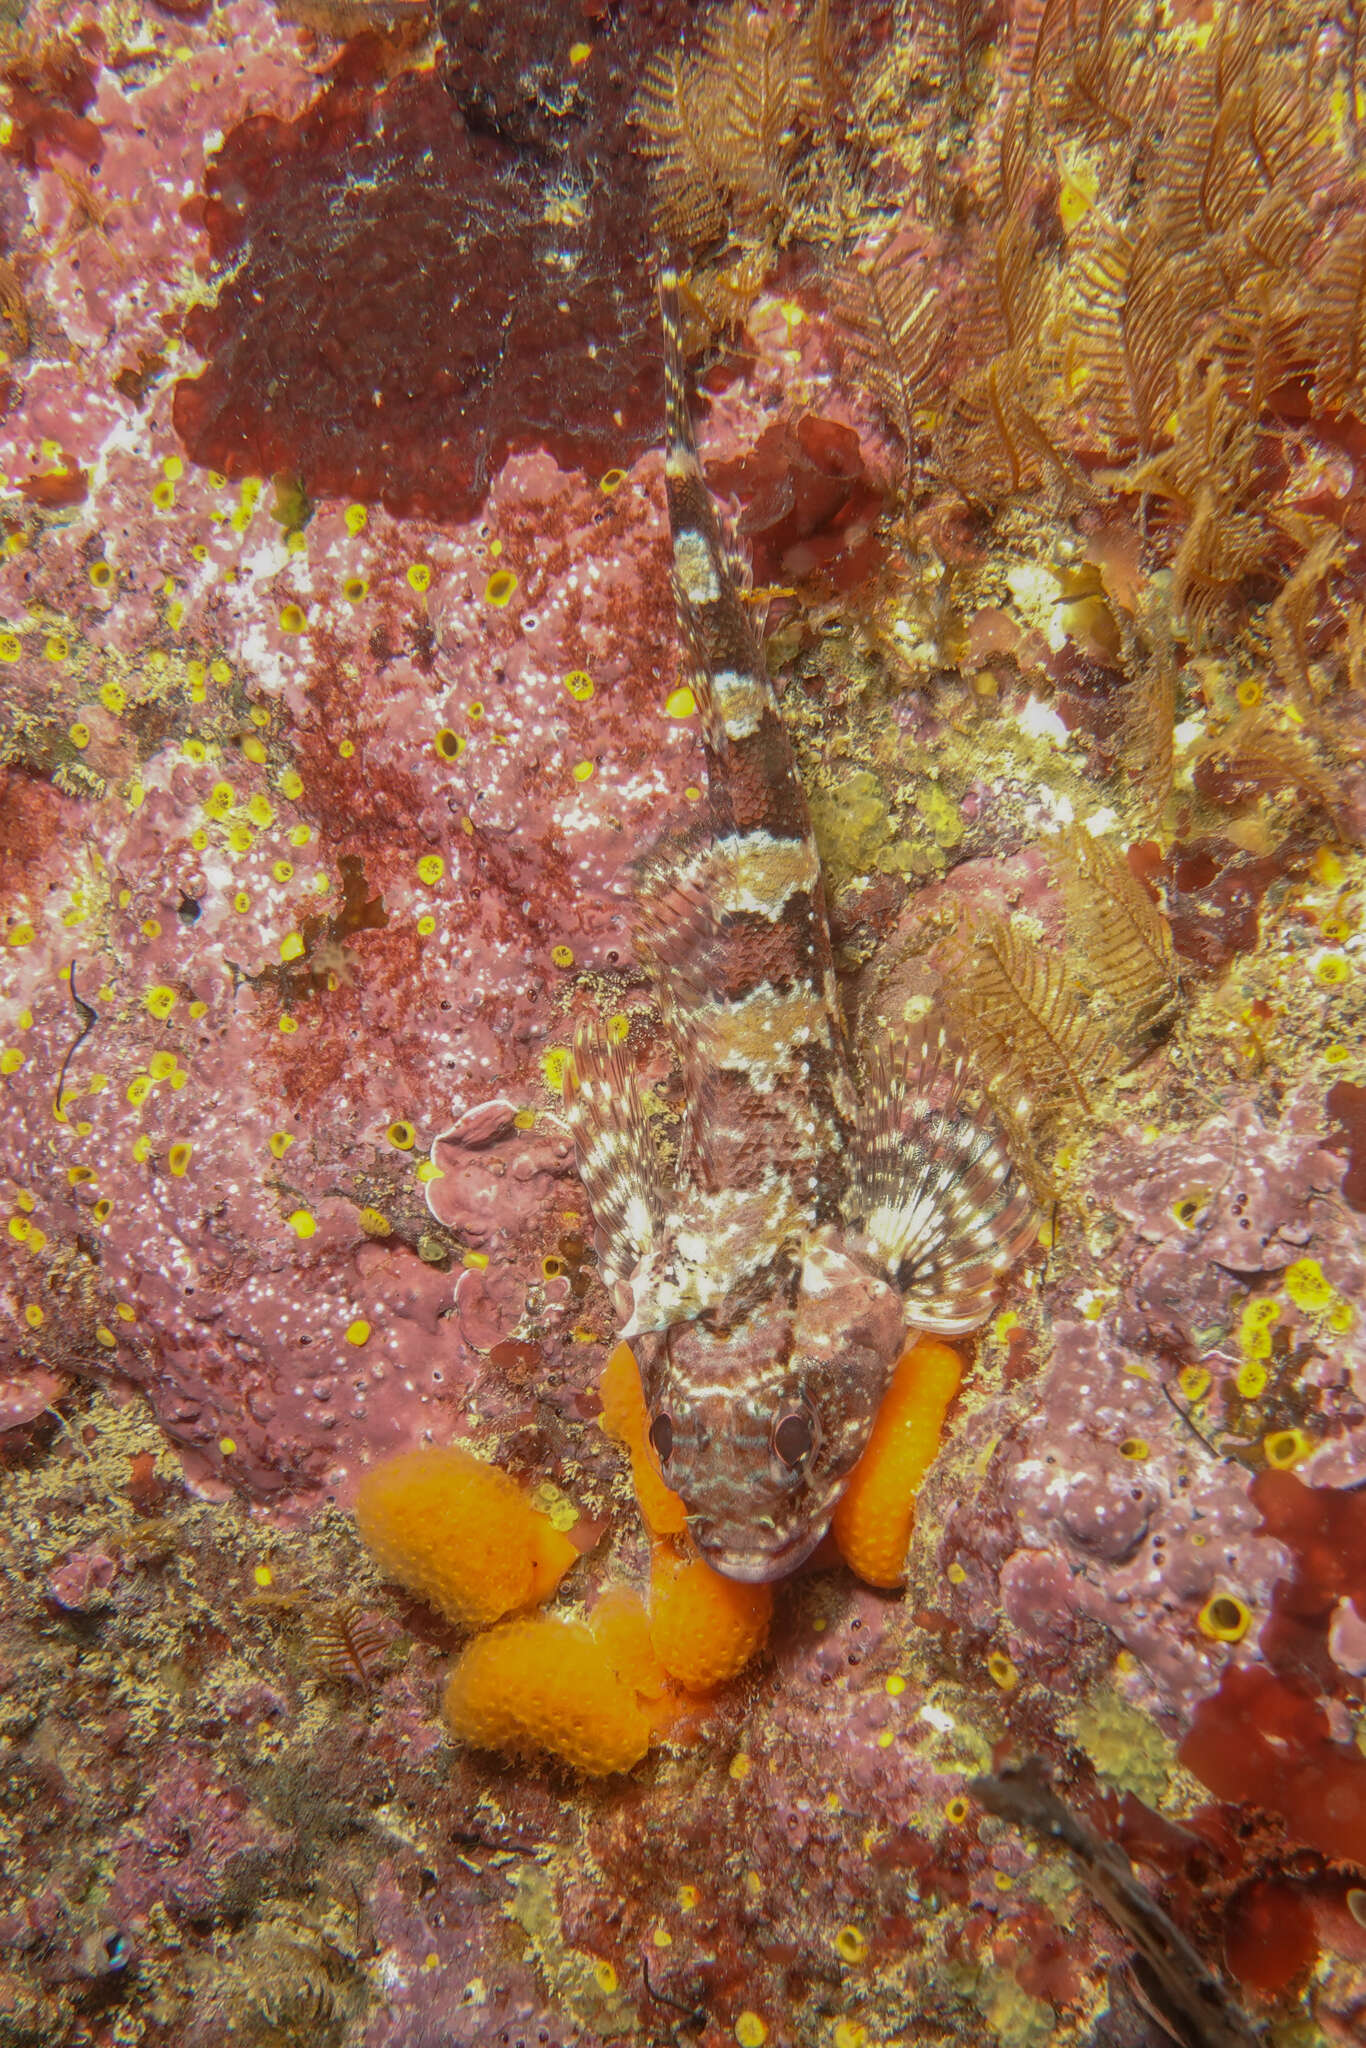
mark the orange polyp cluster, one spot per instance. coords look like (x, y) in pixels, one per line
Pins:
(703, 1628)
(624, 1417)
(540, 1685)
(460, 1534)
(872, 1523)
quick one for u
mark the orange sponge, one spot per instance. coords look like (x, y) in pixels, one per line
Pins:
(873, 1520)
(704, 1628)
(543, 1685)
(460, 1534)
(624, 1417)
(621, 1629)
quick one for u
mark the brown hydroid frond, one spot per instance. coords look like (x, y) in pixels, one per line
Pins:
(1119, 933)
(726, 124)
(347, 1645)
(1207, 470)
(1335, 318)
(951, 32)
(1148, 746)
(994, 441)
(1219, 549)
(1211, 445)
(1293, 621)
(996, 436)
(1048, 1025)
(1019, 282)
(1012, 999)
(1133, 305)
(1275, 235)
(763, 74)
(1078, 64)
(682, 141)
(1014, 158)
(1255, 752)
(891, 321)
(1105, 85)
(1036, 30)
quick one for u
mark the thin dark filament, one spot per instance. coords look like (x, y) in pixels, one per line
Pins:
(89, 1019)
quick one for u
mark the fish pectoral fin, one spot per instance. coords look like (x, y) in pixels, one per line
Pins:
(618, 1159)
(678, 927)
(935, 1191)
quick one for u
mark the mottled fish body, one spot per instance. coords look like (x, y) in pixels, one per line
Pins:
(766, 1281)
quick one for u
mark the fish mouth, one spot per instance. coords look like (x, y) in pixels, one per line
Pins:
(756, 1564)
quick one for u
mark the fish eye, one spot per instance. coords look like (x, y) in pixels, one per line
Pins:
(793, 1438)
(662, 1438)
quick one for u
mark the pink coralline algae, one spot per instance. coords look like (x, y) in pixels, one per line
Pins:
(332, 733)
(82, 1581)
(498, 1171)
(1118, 1496)
(298, 858)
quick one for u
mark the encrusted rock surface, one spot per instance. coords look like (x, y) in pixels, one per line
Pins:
(317, 824)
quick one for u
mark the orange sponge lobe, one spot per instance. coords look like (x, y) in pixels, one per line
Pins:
(873, 1521)
(704, 1628)
(624, 1417)
(546, 1686)
(460, 1534)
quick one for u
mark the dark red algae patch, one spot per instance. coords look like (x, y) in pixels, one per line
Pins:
(1214, 894)
(810, 505)
(1325, 1529)
(1271, 1936)
(422, 291)
(1346, 1106)
(1264, 1739)
(32, 815)
(1262, 1742)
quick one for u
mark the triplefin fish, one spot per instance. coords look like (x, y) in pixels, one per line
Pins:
(766, 1278)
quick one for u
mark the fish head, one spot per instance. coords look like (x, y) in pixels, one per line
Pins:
(760, 1409)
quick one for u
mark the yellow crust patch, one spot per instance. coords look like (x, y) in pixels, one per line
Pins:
(873, 1521)
(460, 1534)
(624, 1417)
(704, 1629)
